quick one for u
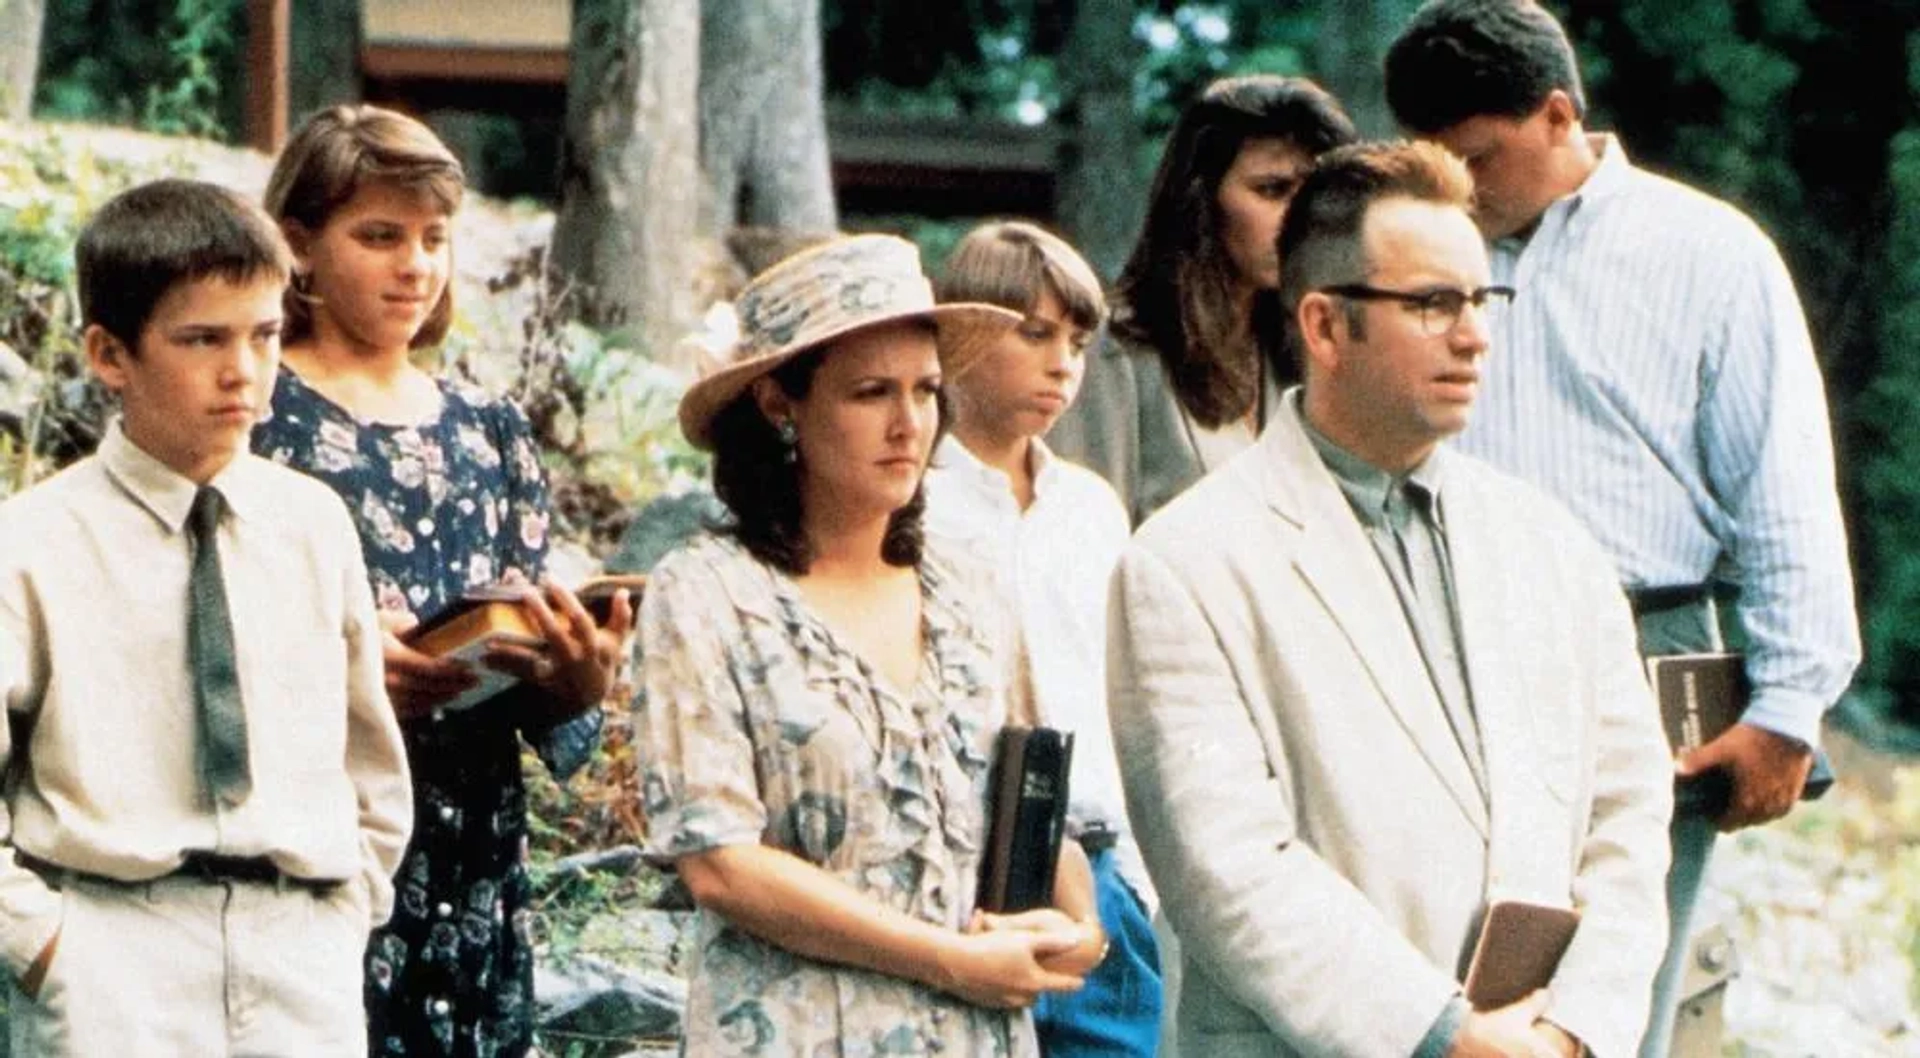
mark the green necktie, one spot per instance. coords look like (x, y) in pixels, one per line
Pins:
(216, 679)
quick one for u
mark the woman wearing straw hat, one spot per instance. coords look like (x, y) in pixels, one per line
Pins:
(819, 696)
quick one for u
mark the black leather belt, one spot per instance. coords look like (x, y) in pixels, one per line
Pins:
(213, 867)
(1645, 601)
(204, 866)
(1097, 838)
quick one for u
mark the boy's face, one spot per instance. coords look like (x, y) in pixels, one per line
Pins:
(201, 373)
(1029, 377)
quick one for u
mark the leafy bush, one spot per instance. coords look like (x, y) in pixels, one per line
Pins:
(50, 413)
(169, 67)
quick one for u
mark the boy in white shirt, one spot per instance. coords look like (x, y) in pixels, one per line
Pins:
(1052, 531)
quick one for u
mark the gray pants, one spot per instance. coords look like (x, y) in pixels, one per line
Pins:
(1681, 630)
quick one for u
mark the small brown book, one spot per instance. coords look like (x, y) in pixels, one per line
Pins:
(1518, 951)
(1700, 695)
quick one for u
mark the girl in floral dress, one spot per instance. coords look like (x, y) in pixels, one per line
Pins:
(446, 486)
(819, 696)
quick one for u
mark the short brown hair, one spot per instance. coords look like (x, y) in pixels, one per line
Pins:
(1009, 263)
(342, 149)
(151, 238)
(1321, 239)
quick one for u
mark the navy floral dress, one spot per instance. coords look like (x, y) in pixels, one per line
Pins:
(443, 506)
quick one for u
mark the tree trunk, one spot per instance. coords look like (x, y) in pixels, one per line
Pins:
(20, 22)
(1101, 192)
(629, 171)
(325, 56)
(763, 124)
(1354, 35)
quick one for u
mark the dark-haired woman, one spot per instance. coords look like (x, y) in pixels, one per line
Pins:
(819, 695)
(1192, 362)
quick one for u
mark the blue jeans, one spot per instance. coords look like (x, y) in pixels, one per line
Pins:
(1117, 1012)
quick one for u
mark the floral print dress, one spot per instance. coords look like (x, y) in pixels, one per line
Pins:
(757, 725)
(442, 506)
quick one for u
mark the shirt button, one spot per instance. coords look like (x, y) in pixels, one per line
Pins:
(443, 910)
(441, 1006)
(425, 527)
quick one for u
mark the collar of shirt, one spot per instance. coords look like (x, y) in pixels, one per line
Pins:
(991, 484)
(165, 493)
(1369, 489)
(1611, 175)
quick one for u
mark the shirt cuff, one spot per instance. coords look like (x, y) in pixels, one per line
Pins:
(1438, 1042)
(1788, 712)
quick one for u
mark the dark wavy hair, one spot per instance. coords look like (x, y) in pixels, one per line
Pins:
(1462, 59)
(761, 488)
(1176, 292)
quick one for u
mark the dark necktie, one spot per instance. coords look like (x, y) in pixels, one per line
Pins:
(216, 679)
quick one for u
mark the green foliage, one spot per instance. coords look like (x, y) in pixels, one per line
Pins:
(172, 67)
(1803, 113)
(604, 412)
(1889, 479)
(187, 100)
(48, 187)
(1003, 59)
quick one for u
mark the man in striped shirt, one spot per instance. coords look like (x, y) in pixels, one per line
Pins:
(1657, 376)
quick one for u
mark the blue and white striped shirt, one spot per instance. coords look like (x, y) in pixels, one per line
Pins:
(1655, 373)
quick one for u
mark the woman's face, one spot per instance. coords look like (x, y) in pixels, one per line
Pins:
(866, 426)
(1253, 197)
(379, 266)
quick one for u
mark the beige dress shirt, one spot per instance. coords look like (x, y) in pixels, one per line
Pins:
(99, 749)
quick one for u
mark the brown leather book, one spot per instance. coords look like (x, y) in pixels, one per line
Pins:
(1519, 948)
(1026, 818)
(497, 614)
(1700, 695)
(467, 629)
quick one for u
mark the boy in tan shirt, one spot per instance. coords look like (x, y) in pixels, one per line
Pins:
(207, 792)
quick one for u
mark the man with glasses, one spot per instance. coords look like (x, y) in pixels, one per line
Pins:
(1658, 378)
(1363, 686)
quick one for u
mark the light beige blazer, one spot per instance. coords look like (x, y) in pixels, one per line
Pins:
(1322, 849)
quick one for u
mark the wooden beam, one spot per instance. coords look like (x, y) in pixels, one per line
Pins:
(267, 31)
(442, 62)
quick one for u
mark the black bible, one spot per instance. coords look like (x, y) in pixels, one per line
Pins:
(1026, 819)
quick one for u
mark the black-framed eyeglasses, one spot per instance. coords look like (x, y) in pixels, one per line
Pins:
(1439, 308)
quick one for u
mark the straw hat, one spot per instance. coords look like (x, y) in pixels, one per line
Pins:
(820, 294)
